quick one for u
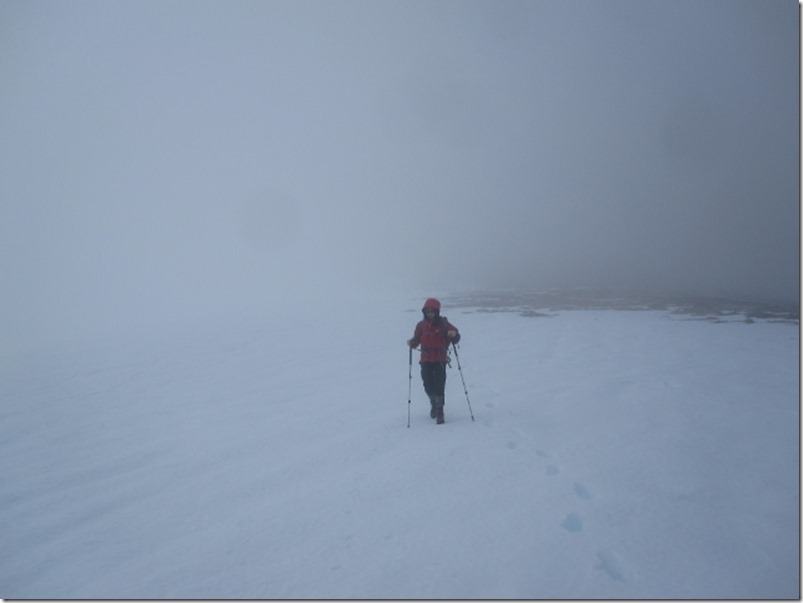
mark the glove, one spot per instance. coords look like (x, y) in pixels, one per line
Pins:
(451, 334)
(411, 343)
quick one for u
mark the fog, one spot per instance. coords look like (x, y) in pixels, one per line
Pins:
(169, 159)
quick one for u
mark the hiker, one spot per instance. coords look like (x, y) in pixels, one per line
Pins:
(434, 334)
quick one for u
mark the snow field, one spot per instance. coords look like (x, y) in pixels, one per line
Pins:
(614, 455)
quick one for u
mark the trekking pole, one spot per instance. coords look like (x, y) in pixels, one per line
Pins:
(460, 369)
(410, 387)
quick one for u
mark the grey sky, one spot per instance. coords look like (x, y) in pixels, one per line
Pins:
(161, 157)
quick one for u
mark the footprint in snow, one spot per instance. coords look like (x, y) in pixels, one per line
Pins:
(582, 491)
(611, 565)
(573, 523)
(552, 468)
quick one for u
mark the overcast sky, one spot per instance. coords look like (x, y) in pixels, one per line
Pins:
(159, 157)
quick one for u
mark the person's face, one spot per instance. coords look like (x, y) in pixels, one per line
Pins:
(430, 313)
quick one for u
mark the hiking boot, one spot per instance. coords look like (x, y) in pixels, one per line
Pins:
(438, 409)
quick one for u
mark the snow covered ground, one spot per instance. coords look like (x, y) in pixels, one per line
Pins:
(614, 454)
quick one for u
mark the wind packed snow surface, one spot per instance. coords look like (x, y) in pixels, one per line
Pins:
(614, 454)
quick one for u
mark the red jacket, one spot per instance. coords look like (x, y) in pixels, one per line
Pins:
(432, 336)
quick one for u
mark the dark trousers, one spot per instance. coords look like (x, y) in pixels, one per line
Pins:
(433, 374)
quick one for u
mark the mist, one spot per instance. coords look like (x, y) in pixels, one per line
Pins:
(165, 160)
